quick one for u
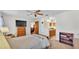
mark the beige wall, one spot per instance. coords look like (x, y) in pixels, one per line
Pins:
(68, 22)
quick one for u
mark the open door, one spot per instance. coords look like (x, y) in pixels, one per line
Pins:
(35, 28)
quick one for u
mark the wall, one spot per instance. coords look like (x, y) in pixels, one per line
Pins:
(1, 20)
(10, 22)
(68, 22)
(43, 28)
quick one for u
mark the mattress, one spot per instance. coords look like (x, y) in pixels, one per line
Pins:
(29, 42)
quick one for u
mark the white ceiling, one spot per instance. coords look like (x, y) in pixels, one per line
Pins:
(53, 12)
(24, 13)
(20, 13)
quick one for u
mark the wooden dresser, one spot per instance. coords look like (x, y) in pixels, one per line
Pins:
(21, 31)
(52, 32)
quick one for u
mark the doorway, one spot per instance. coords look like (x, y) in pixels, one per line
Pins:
(35, 27)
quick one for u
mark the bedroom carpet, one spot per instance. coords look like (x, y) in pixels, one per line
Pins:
(55, 44)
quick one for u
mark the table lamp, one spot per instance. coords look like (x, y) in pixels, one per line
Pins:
(4, 30)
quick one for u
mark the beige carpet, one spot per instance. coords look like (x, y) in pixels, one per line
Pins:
(55, 44)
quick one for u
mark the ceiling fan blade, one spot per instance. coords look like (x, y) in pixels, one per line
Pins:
(38, 11)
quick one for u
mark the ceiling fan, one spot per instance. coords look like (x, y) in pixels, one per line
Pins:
(38, 12)
(35, 12)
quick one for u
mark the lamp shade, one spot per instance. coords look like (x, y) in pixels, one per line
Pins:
(4, 29)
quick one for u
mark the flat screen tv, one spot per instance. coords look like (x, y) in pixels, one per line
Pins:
(66, 38)
(20, 23)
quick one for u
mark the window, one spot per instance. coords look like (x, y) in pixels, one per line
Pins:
(1, 21)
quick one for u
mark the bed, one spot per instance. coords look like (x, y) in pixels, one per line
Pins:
(3, 42)
(29, 42)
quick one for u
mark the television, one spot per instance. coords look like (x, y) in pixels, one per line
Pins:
(66, 38)
(20, 23)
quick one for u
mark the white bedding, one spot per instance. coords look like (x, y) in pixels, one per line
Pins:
(29, 42)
